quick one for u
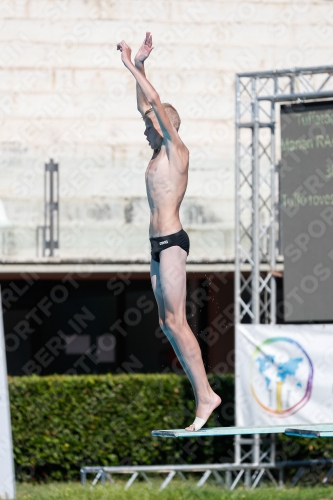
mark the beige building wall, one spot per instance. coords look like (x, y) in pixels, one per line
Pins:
(65, 94)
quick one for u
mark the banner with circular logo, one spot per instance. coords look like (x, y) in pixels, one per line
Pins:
(284, 374)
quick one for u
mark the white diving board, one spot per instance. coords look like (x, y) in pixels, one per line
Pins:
(308, 430)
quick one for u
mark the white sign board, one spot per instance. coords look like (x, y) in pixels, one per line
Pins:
(7, 477)
(284, 374)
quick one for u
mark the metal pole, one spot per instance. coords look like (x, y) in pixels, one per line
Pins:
(255, 233)
(237, 209)
(292, 84)
(247, 479)
(83, 477)
(57, 207)
(237, 445)
(45, 213)
(255, 207)
(51, 217)
(288, 72)
(273, 239)
(256, 450)
(51, 207)
(273, 449)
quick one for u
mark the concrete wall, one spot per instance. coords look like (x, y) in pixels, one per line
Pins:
(65, 94)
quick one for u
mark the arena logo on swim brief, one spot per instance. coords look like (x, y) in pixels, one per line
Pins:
(164, 242)
(281, 374)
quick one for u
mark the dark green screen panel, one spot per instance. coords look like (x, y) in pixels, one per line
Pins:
(306, 203)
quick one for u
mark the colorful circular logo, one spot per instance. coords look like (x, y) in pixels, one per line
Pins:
(281, 376)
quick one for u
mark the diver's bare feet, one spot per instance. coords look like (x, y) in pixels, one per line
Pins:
(204, 410)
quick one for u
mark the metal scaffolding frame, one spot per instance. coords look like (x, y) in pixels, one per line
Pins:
(257, 203)
(256, 180)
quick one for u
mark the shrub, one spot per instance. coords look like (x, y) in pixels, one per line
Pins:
(61, 423)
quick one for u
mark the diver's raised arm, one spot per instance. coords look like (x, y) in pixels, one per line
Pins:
(142, 54)
(170, 134)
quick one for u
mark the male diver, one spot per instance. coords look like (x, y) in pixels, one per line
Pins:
(166, 182)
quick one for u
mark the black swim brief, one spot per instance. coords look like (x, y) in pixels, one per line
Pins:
(160, 243)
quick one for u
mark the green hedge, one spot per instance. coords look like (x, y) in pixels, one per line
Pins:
(60, 423)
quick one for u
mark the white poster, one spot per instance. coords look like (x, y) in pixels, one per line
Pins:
(284, 374)
(7, 478)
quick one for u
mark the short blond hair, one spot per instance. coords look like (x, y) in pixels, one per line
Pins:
(171, 112)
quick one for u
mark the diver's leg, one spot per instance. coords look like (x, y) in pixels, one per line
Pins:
(156, 285)
(172, 279)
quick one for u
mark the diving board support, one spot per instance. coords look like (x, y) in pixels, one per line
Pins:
(167, 480)
(239, 475)
(204, 478)
(233, 472)
(297, 476)
(218, 478)
(100, 476)
(131, 480)
(257, 479)
(328, 476)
